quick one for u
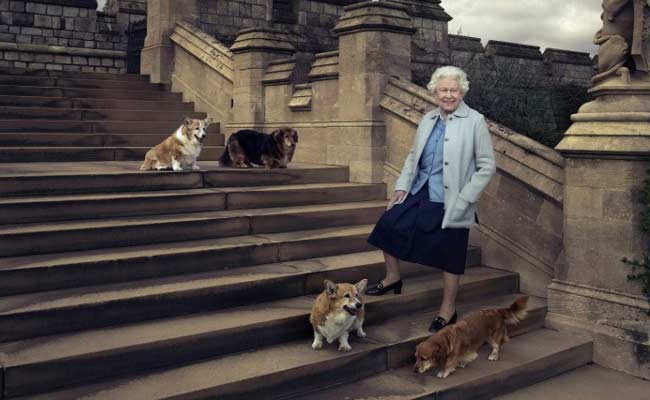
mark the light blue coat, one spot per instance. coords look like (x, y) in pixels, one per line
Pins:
(468, 162)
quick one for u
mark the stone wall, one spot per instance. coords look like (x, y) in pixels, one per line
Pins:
(311, 23)
(126, 12)
(518, 85)
(520, 211)
(63, 35)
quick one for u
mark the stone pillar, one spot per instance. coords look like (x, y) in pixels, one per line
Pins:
(607, 151)
(252, 51)
(157, 55)
(374, 45)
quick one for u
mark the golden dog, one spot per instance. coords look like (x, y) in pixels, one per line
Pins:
(457, 345)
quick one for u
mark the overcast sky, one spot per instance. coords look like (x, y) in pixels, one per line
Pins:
(563, 24)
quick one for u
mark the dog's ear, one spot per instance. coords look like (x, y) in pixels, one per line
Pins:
(207, 122)
(277, 135)
(361, 285)
(187, 121)
(330, 288)
(295, 135)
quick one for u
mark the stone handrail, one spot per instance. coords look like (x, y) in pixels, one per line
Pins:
(203, 71)
(204, 47)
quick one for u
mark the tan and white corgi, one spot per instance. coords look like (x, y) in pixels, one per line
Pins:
(336, 312)
(181, 149)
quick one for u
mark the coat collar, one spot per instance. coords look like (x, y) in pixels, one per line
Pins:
(461, 112)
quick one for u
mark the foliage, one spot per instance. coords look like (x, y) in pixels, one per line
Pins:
(641, 269)
(531, 102)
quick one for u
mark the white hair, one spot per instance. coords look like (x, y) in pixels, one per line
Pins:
(450, 72)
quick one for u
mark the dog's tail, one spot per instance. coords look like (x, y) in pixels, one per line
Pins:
(225, 160)
(516, 312)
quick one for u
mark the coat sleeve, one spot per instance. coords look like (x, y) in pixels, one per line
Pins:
(485, 163)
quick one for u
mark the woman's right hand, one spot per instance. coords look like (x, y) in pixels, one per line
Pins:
(397, 197)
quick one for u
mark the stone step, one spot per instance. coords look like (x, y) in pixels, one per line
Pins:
(524, 361)
(592, 382)
(25, 274)
(140, 204)
(293, 368)
(166, 127)
(80, 82)
(73, 75)
(53, 237)
(41, 364)
(23, 210)
(112, 104)
(92, 139)
(67, 92)
(67, 154)
(24, 179)
(74, 114)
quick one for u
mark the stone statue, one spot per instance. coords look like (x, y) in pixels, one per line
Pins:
(623, 39)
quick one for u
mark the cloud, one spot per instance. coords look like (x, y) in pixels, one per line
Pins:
(562, 24)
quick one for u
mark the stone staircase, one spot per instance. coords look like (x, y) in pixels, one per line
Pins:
(122, 284)
(64, 116)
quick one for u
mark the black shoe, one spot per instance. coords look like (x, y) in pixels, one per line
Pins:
(440, 323)
(379, 289)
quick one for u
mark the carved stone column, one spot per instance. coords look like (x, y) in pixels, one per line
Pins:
(252, 51)
(607, 151)
(157, 55)
(374, 45)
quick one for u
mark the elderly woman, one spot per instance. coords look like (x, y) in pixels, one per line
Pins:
(428, 216)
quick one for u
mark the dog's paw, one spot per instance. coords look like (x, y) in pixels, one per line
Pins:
(360, 333)
(494, 357)
(462, 364)
(317, 344)
(442, 374)
(196, 167)
(344, 347)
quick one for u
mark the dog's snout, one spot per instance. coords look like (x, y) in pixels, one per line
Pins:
(357, 304)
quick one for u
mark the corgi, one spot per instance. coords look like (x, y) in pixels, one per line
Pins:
(181, 149)
(457, 345)
(337, 311)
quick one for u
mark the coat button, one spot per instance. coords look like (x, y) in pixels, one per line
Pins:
(446, 187)
(446, 163)
(446, 139)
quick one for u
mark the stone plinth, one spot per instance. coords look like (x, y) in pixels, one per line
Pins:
(607, 151)
(374, 45)
(252, 51)
(157, 55)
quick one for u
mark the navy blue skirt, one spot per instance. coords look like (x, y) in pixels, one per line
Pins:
(412, 231)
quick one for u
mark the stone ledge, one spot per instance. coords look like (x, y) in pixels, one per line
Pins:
(374, 16)
(301, 99)
(515, 50)
(92, 4)
(466, 43)
(325, 66)
(204, 47)
(567, 57)
(262, 39)
(279, 71)
(74, 51)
